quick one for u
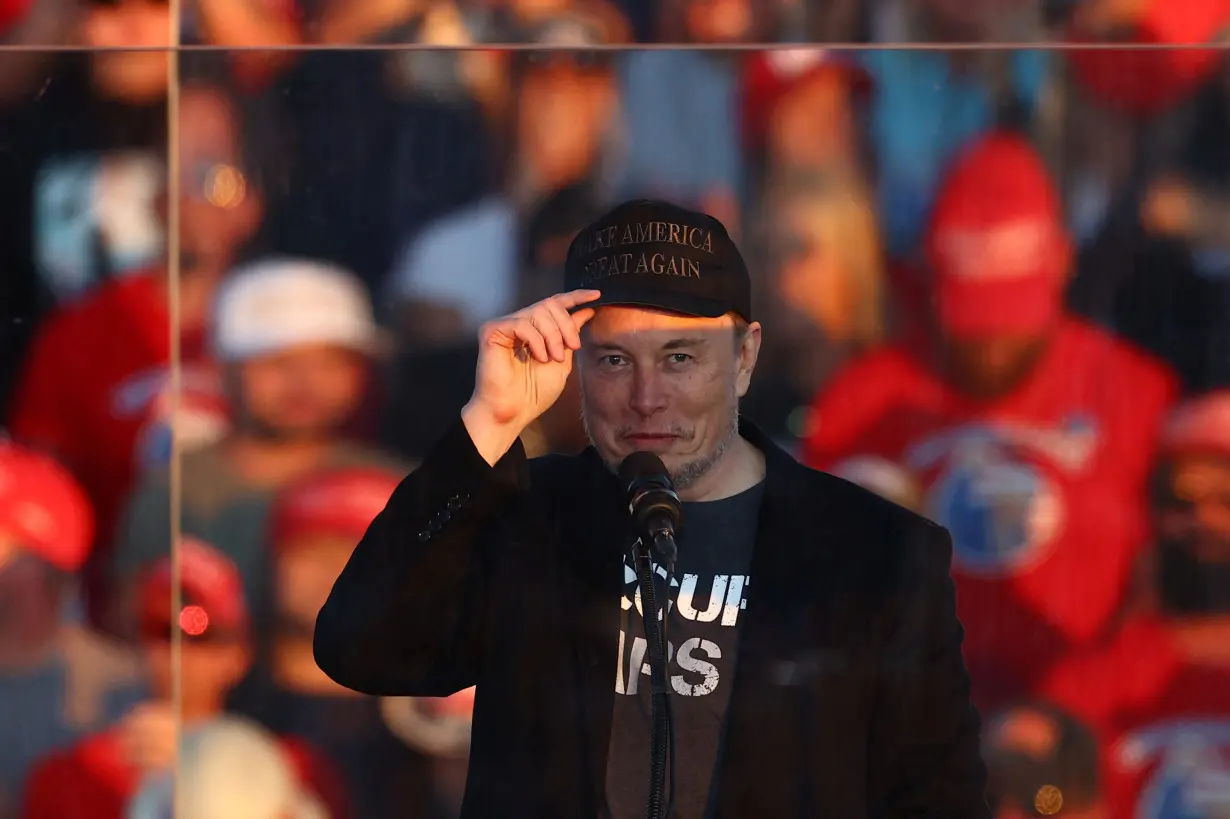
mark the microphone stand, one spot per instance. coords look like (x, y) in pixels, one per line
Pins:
(661, 727)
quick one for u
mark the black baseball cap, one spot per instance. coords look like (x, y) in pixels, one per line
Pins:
(651, 253)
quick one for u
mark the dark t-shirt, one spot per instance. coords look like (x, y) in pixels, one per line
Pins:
(706, 597)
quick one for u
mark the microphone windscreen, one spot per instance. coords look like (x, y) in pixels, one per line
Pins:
(640, 465)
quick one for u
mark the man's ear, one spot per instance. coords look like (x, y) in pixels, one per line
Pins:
(746, 356)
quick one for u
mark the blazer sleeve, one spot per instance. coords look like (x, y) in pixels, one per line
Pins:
(924, 743)
(406, 616)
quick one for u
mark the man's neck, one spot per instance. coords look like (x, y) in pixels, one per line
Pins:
(267, 463)
(741, 467)
(1203, 640)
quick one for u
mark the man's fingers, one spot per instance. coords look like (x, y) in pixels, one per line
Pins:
(581, 317)
(529, 335)
(565, 323)
(574, 297)
(548, 324)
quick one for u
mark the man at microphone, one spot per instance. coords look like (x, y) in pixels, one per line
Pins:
(815, 661)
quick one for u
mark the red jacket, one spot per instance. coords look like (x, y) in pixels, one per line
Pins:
(1043, 489)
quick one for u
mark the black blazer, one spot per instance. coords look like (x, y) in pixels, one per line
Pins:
(850, 698)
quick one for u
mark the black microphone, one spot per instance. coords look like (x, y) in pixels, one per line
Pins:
(655, 508)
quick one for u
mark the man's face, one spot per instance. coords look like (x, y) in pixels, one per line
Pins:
(207, 669)
(305, 573)
(813, 125)
(565, 103)
(135, 77)
(220, 208)
(301, 393)
(1196, 508)
(719, 21)
(991, 366)
(665, 384)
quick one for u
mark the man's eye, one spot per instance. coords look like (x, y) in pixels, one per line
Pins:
(613, 360)
(680, 358)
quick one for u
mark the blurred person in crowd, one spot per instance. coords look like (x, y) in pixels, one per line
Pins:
(464, 268)
(1031, 431)
(1155, 257)
(825, 290)
(58, 681)
(313, 528)
(445, 372)
(1158, 693)
(229, 769)
(681, 107)
(97, 777)
(1041, 761)
(1146, 82)
(803, 108)
(82, 134)
(294, 340)
(96, 386)
(930, 104)
(438, 727)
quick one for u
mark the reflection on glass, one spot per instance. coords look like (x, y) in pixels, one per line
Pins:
(994, 284)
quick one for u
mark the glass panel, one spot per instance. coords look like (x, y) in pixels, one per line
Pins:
(86, 391)
(989, 272)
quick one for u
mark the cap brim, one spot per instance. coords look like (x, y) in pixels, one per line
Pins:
(681, 303)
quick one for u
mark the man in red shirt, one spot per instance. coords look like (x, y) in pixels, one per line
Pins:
(314, 525)
(95, 778)
(95, 387)
(58, 681)
(1030, 433)
(1158, 695)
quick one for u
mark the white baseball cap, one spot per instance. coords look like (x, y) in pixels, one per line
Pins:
(229, 769)
(273, 304)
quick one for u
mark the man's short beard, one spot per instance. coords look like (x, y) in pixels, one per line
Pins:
(686, 474)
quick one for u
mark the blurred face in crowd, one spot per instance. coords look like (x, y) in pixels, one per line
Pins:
(666, 384)
(991, 366)
(718, 21)
(30, 592)
(1192, 522)
(302, 393)
(135, 77)
(813, 125)
(220, 208)
(306, 570)
(829, 262)
(209, 667)
(566, 103)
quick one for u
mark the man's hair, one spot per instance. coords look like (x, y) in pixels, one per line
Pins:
(741, 328)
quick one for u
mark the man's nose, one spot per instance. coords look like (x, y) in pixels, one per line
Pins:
(648, 392)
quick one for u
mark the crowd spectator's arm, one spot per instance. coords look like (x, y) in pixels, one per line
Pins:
(43, 412)
(924, 746)
(251, 24)
(406, 616)
(844, 409)
(345, 21)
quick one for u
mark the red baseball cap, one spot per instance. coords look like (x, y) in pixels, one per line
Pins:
(340, 502)
(770, 75)
(43, 507)
(13, 12)
(996, 242)
(1200, 425)
(212, 604)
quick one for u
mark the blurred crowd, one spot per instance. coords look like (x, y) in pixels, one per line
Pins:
(995, 285)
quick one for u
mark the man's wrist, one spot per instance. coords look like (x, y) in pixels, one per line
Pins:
(491, 438)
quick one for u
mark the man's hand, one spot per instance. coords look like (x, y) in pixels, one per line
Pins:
(148, 736)
(523, 364)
